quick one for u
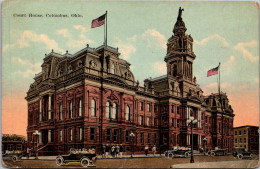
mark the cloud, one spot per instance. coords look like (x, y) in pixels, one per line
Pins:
(64, 32)
(212, 37)
(242, 47)
(75, 43)
(27, 73)
(228, 65)
(134, 38)
(213, 87)
(30, 36)
(155, 38)
(125, 49)
(160, 67)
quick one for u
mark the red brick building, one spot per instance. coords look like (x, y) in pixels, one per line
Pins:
(91, 98)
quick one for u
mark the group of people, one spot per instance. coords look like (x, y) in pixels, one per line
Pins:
(146, 150)
(114, 150)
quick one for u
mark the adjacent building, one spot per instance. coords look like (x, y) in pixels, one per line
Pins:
(248, 137)
(91, 98)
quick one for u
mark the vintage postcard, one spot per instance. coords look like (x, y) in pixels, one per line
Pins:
(120, 84)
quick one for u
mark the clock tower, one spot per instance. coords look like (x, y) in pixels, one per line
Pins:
(180, 54)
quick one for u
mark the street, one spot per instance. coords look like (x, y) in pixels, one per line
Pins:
(150, 162)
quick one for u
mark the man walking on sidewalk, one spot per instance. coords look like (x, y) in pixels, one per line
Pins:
(154, 150)
(146, 149)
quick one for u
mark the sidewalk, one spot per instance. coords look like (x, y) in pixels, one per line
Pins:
(220, 164)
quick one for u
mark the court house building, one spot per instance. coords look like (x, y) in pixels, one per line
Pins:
(90, 98)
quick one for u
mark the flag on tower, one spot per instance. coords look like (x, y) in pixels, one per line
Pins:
(98, 21)
(213, 71)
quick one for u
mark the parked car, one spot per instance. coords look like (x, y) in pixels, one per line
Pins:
(177, 153)
(240, 153)
(218, 152)
(86, 158)
(13, 155)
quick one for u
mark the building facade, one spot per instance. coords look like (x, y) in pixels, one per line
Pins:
(91, 98)
(248, 137)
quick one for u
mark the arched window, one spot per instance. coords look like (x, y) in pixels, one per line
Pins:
(113, 68)
(127, 114)
(108, 110)
(71, 110)
(80, 107)
(175, 69)
(114, 111)
(93, 107)
(61, 115)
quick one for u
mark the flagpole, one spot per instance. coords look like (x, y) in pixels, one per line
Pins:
(106, 30)
(219, 79)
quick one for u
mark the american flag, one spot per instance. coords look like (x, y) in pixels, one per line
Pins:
(213, 71)
(98, 21)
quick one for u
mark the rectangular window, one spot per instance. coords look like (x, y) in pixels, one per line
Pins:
(155, 121)
(244, 132)
(178, 122)
(148, 121)
(235, 140)
(142, 137)
(148, 138)
(172, 108)
(235, 133)
(155, 109)
(240, 132)
(19, 147)
(172, 122)
(178, 110)
(141, 120)
(240, 140)
(80, 107)
(149, 107)
(49, 136)
(142, 106)
(165, 108)
(244, 140)
(71, 134)
(165, 121)
(92, 133)
(109, 134)
(115, 135)
(155, 138)
(61, 135)
(127, 136)
(71, 111)
(80, 134)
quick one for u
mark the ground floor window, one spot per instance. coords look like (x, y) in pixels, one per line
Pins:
(92, 133)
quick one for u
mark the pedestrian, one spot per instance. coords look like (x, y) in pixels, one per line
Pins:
(107, 150)
(146, 149)
(117, 150)
(154, 150)
(121, 150)
(28, 152)
(103, 151)
(113, 150)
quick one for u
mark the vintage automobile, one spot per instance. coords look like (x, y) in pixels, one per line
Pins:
(86, 158)
(177, 153)
(218, 152)
(13, 155)
(240, 153)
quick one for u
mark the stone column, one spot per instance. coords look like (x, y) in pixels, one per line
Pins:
(40, 110)
(49, 108)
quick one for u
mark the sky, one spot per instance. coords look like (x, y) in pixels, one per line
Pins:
(225, 32)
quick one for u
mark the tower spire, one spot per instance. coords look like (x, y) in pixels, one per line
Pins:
(179, 27)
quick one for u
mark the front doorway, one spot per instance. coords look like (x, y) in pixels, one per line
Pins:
(195, 141)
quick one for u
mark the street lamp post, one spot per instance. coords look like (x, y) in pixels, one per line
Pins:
(36, 133)
(191, 121)
(132, 135)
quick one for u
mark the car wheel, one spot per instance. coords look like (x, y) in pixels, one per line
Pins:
(225, 153)
(209, 153)
(187, 154)
(14, 158)
(59, 161)
(239, 156)
(251, 155)
(85, 162)
(212, 153)
(170, 156)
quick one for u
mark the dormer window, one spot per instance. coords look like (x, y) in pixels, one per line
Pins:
(113, 68)
(80, 64)
(70, 69)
